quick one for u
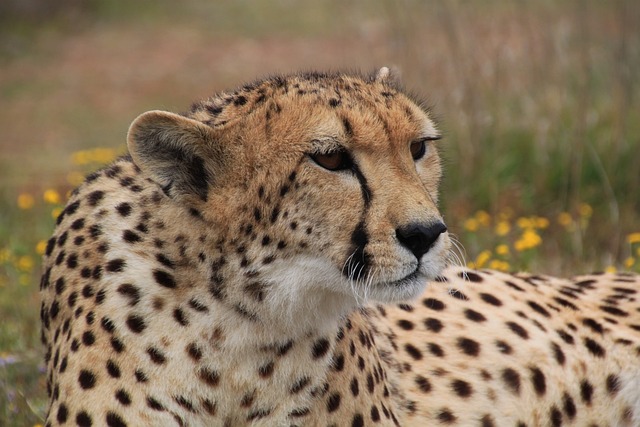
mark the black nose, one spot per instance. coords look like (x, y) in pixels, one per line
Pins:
(419, 238)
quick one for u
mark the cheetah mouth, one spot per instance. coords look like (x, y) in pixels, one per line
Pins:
(409, 279)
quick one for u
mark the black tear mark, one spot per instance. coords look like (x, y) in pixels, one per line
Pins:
(364, 186)
(358, 260)
(348, 129)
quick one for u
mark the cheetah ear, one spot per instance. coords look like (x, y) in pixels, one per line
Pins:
(387, 75)
(178, 153)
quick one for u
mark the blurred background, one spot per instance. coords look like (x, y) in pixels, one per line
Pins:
(538, 101)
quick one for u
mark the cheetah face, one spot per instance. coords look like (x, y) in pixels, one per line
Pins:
(323, 185)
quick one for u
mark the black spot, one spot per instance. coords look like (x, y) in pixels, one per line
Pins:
(614, 311)
(565, 336)
(62, 413)
(558, 353)
(445, 416)
(375, 414)
(338, 363)
(433, 325)
(538, 308)
(77, 224)
(433, 304)
(539, 381)
(462, 388)
(115, 265)
(468, 346)
(156, 355)
(504, 347)
(586, 392)
(123, 397)
(423, 384)
(88, 338)
(435, 349)
(117, 345)
(113, 369)
(593, 347)
(164, 279)
(474, 315)
(50, 245)
(593, 325)
(141, 377)
(407, 325)
(124, 209)
(209, 376)
(355, 389)
(413, 351)
(136, 323)
(180, 317)
(357, 421)
(114, 420)
(613, 384)
(265, 371)
(86, 379)
(194, 352)
(83, 419)
(490, 299)
(512, 379)
(320, 348)
(348, 129)
(569, 406)
(556, 417)
(240, 100)
(334, 102)
(518, 330)
(130, 237)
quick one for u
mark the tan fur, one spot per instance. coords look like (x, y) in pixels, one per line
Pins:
(222, 276)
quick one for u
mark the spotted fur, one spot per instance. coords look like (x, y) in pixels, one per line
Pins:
(262, 260)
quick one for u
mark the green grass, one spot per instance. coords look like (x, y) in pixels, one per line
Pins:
(538, 102)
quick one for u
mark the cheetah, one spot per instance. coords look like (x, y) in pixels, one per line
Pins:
(275, 257)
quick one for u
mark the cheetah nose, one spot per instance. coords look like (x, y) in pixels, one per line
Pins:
(419, 238)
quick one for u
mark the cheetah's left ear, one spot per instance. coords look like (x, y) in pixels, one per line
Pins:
(178, 153)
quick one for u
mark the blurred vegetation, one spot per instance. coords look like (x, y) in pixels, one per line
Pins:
(539, 103)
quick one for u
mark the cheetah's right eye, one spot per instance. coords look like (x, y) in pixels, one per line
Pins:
(333, 161)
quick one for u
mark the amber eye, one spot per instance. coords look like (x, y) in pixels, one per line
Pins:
(418, 148)
(334, 161)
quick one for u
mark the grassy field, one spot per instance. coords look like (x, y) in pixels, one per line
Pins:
(538, 103)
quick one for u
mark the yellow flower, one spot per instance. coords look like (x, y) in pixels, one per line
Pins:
(540, 222)
(55, 213)
(52, 197)
(633, 238)
(506, 214)
(628, 263)
(471, 224)
(75, 178)
(483, 218)
(524, 223)
(610, 269)
(565, 220)
(502, 250)
(529, 239)
(41, 247)
(585, 210)
(482, 258)
(496, 264)
(503, 228)
(25, 263)
(5, 255)
(471, 265)
(25, 201)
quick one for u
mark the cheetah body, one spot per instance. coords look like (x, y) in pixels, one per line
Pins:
(262, 260)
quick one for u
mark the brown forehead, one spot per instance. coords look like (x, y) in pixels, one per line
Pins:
(361, 104)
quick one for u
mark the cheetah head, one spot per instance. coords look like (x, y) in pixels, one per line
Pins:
(325, 186)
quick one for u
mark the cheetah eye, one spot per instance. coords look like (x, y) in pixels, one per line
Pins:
(418, 148)
(333, 161)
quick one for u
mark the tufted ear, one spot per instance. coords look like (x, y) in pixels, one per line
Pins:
(178, 153)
